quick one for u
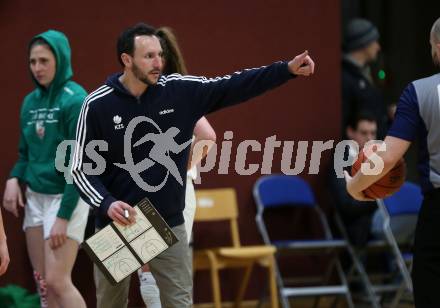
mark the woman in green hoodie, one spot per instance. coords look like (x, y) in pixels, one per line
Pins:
(54, 215)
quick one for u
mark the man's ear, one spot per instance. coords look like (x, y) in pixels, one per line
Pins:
(126, 59)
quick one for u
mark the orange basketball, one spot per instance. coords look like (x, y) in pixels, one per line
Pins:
(388, 184)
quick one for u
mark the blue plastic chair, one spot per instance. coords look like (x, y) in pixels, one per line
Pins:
(406, 201)
(274, 192)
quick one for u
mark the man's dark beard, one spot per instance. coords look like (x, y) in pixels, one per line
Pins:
(138, 74)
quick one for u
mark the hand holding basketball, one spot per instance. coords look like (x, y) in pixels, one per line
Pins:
(385, 186)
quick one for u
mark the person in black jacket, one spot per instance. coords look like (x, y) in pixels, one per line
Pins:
(356, 215)
(203, 131)
(141, 102)
(359, 93)
(362, 219)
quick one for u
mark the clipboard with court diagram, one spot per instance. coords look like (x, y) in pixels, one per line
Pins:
(119, 251)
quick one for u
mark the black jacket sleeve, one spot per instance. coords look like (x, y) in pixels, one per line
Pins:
(90, 187)
(211, 94)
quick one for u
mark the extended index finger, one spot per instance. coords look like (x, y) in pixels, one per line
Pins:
(303, 55)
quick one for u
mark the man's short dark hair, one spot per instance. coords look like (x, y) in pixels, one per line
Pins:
(361, 116)
(125, 42)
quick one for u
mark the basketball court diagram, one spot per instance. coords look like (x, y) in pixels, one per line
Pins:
(141, 225)
(123, 249)
(105, 242)
(149, 245)
(121, 264)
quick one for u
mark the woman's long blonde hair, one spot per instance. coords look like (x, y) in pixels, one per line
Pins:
(174, 62)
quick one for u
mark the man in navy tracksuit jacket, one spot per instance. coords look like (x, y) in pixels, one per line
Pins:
(159, 113)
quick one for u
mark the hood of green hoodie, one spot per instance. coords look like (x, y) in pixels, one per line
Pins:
(61, 48)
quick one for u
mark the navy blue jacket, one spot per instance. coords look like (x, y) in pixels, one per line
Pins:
(172, 106)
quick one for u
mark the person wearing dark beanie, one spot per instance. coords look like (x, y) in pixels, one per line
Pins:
(360, 47)
(359, 34)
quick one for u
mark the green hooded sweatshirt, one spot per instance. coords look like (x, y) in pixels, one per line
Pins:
(47, 117)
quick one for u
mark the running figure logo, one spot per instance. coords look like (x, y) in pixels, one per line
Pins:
(163, 144)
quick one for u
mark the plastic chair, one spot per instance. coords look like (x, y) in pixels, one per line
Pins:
(275, 192)
(406, 201)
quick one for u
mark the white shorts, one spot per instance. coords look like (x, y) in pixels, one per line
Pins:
(42, 210)
(190, 207)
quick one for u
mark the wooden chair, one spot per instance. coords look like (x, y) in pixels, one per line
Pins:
(221, 205)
